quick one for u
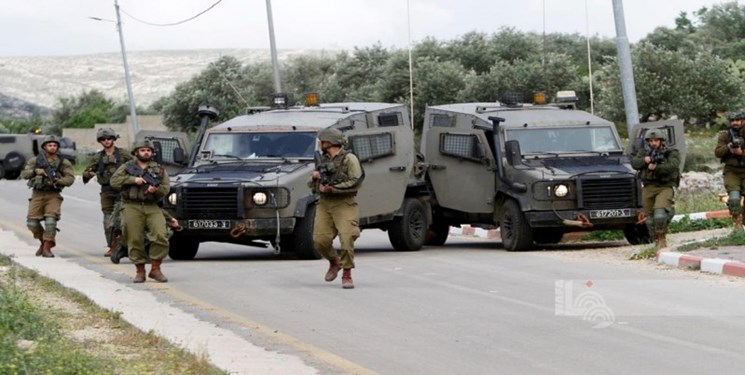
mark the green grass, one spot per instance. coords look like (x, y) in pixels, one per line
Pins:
(732, 239)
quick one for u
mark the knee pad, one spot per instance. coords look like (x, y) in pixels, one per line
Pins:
(733, 203)
(50, 225)
(660, 219)
(33, 224)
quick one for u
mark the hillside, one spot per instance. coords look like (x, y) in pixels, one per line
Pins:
(42, 80)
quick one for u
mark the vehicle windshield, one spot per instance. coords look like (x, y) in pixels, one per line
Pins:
(261, 145)
(567, 139)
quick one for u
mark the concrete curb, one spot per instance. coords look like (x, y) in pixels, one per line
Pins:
(708, 265)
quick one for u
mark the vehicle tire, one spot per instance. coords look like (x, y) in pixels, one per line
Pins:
(2, 171)
(548, 235)
(182, 248)
(12, 175)
(301, 241)
(438, 233)
(14, 160)
(516, 234)
(637, 234)
(407, 232)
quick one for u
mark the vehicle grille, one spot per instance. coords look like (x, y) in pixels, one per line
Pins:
(212, 203)
(607, 193)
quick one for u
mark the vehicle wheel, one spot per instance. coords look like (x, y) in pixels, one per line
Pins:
(182, 248)
(14, 160)
(548, 235)
(438, 233)
(301, 241)
(516, 234)
(2, 172)
(637, 234)
(12, 175)
(407, 232)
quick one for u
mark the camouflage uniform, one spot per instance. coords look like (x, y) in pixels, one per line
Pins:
(734, 165)
(46, 200)
(658, 195)
(103, 165)
(337, 212)
(142, 213)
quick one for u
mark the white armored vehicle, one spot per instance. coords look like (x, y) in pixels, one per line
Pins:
(534, 171)
(246, 180)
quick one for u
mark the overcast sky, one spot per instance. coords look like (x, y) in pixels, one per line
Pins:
(62, 27)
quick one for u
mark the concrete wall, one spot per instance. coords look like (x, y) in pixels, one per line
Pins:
(86, 138)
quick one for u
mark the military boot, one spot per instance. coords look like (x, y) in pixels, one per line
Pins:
(155, 273)
(40, 249)
(113, 247)
(140, 275)
(737, 221)
(334, 267)
(46, 249)
(346, 279)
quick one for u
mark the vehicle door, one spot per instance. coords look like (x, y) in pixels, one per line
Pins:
(675, 137)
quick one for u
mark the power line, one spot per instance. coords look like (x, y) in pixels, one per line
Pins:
(173, 23)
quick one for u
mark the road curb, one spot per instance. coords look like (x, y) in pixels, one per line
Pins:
(709, 265)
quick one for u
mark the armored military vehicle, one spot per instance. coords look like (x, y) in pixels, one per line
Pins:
(534, 171)
(246, 180)
(16, 149)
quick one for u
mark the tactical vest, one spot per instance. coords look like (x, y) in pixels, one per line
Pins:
(650, 177)
(107, 165)
(135, 192)
(731, 160)
(42, 182)
(338, 171)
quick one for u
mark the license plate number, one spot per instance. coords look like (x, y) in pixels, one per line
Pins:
(600, 214)
(209, 224)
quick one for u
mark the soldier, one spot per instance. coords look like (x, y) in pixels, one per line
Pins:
(103, 164)
(659, 169)
(729, 151)
(47, 175)
(337, 179)
(143, 183)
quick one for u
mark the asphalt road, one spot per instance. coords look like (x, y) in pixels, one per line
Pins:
(468, 307)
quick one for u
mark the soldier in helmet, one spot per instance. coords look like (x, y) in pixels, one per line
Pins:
(659, 168)
(336, 179)
(47, 174)
(143, 183)
(729, 151)
(102, 165)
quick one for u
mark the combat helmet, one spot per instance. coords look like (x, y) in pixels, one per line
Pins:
(50, 138)
(331, 135)
(655, 134)
(142, 144)
(106, 133)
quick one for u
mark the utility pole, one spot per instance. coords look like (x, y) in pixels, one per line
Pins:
(625, 66)
(273, 46)
(130, 95)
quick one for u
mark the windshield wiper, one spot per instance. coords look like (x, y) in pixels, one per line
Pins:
(227, 156)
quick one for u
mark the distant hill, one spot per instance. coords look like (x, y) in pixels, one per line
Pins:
(18, 109)
(42, 80)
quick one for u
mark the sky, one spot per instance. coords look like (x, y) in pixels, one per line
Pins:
(63, 27)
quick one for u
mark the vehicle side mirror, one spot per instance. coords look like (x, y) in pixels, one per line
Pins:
(512, 152)
(179, 156)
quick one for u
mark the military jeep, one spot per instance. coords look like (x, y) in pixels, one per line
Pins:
(16, 149)
(534, 171)
(246, 180)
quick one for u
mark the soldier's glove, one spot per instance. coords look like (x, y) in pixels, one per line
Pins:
(39, 171)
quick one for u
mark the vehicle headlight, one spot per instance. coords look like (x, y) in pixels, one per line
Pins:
(561, 190)
(259, 198)
(172, 199)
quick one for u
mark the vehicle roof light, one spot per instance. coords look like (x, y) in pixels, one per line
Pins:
(311, 99)
(539, 97)
(566, 96)
(281, 100)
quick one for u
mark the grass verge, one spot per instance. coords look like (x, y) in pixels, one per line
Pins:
(48, 329)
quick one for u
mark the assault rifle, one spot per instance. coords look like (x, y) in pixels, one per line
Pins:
(656, 156)
(322, 168)
(149, 177)
(49, 170)
(736, 139)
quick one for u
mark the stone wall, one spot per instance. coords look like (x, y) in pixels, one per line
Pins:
(85, 139)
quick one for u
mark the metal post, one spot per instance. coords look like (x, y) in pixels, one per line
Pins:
(130, 95)
(273, 46)
(625, 66)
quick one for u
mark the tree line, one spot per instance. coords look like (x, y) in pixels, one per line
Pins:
(694, 71)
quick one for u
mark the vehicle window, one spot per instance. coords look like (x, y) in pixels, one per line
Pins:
(372, 146)
(568, 139)
(261, 145)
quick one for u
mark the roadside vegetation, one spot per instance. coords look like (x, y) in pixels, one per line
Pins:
(48, 329)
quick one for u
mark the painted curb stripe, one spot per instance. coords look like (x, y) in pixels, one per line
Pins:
(734, 269)
(713, 265)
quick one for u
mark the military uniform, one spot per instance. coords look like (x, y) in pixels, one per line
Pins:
(46, 198)
(337, 212)
(734, 165)
(103, 165)
(658, 195)
(142, 213)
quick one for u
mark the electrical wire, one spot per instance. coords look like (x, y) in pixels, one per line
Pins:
(172, 23)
